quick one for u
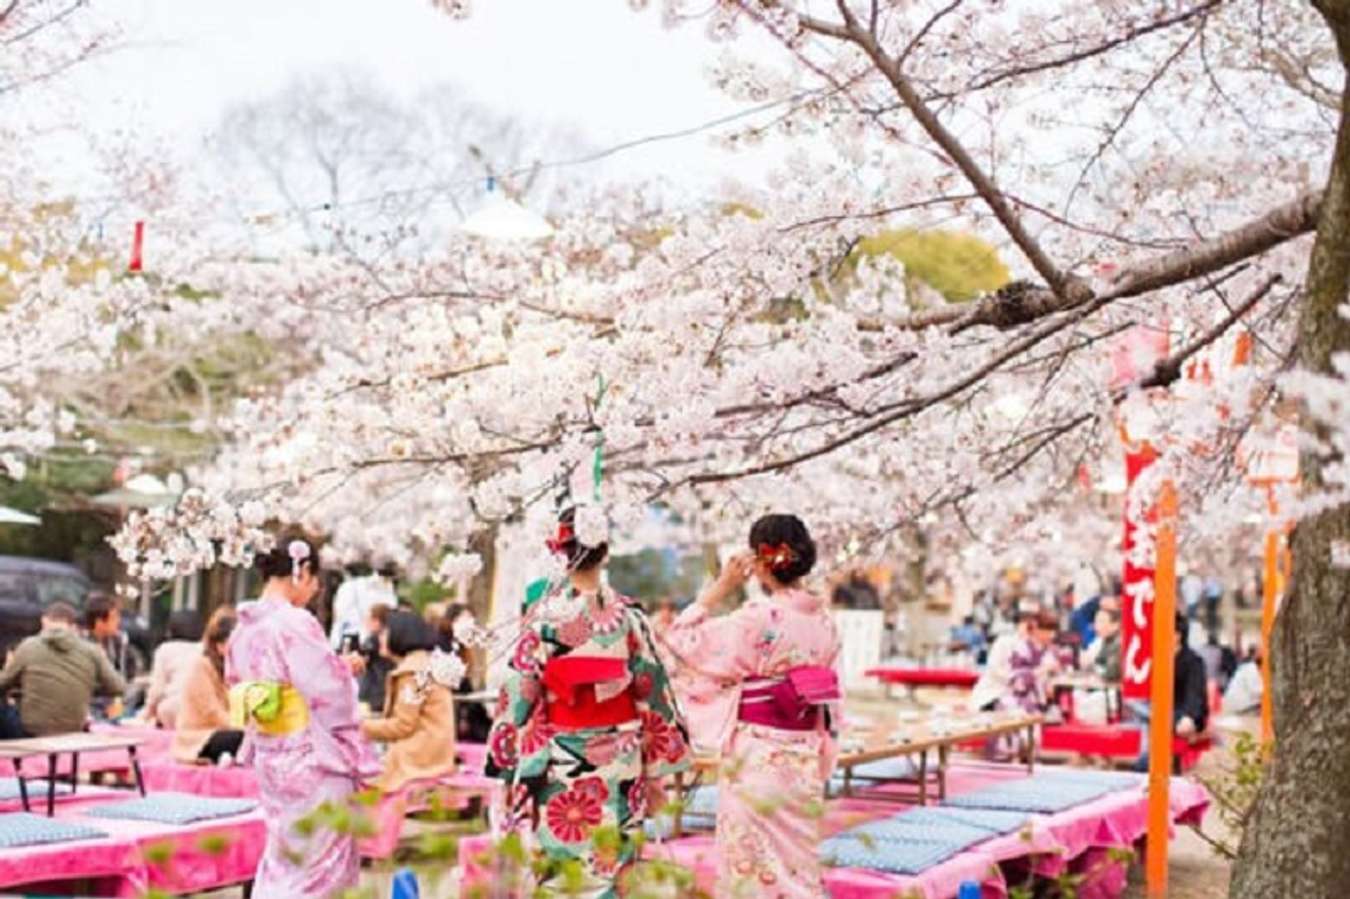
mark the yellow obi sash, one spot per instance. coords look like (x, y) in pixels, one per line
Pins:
(273, 708)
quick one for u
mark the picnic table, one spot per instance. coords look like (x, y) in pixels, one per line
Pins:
(911, 678)
(923, 739)
(67, 744)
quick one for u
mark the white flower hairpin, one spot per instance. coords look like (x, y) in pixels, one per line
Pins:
(299, 551)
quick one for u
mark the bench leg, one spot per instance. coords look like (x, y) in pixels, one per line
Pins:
(944, 753)
(136, 770)
(51, 785)
(923, 778)
(23, 787)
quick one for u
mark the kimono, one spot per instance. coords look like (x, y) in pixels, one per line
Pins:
(772, 781)
(568, 787)
(1014, 680)
(322, 761)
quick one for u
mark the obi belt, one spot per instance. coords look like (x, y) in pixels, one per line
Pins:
(797, 701)
(272, 708)
(576, 682)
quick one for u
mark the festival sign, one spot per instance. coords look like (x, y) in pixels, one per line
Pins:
(1132, 359)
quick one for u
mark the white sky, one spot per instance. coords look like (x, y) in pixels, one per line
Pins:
(613, 74)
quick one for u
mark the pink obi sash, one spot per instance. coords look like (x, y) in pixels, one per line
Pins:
(572, 681)
(796, 701)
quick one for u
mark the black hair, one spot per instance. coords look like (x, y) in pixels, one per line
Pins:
(278, 562)
(445, 630)
(408, 632)
(185, 624)
(579, 556)
(97, 607)
(61, 611)
(789, 531)
(218, 630)
(387, 570)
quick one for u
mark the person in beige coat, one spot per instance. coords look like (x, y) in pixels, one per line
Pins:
(203, 734)
(418, 724)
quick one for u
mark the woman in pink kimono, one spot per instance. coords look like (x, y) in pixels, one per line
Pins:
(757, 686)
(296, 701)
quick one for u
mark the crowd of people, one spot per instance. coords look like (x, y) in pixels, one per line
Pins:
(1026, 647)
(601, 707)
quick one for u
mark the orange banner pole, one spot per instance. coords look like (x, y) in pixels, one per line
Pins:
(1269, 591)
(1160, 713)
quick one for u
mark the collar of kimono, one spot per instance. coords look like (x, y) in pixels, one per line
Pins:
(798, 600)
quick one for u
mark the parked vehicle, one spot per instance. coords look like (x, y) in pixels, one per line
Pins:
(27, 586)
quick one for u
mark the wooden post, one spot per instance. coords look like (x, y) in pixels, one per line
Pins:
(1269, 591)
(1160, 715)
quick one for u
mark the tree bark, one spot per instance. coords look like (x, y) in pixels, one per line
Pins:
(1294, 841)
(479, 594)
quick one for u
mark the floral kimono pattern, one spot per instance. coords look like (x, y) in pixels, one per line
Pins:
(323, 762)
(567, 786)
(772, 782)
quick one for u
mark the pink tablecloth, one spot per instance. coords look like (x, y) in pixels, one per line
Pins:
(180, 860)
(110, 867)
(167, 775)
(1080, 840)
(139, 855)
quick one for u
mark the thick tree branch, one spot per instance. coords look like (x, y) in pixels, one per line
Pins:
(852, 32)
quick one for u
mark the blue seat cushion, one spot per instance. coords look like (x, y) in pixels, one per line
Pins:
(890, 857)
(173, 808)
(22, 829)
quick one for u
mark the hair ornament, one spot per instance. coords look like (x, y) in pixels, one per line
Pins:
(299, 552)
(557, 544)
(776, 557)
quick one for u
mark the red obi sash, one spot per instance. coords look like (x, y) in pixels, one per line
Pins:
(796, 702)
(572, 681)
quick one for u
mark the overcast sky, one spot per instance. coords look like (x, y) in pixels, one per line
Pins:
(613, 74)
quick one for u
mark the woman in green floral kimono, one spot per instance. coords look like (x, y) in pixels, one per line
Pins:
(586, 725)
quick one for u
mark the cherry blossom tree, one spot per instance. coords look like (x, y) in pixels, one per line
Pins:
(1178, 166)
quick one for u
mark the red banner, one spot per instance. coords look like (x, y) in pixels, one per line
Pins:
(1136, 600)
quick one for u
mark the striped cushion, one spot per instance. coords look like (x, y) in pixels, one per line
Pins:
(22, 829)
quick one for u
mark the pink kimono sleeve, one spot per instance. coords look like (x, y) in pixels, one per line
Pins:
(708, 660)
(330, 691)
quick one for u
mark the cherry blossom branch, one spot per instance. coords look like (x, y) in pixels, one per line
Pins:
(1107, 46)
(853, 33)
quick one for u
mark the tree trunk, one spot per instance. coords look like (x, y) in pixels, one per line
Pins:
(479, 594)
(1294, 841)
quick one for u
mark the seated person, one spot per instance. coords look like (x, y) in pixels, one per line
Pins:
(995, 686)
(1243, 695)
(204, 733)
(419, 715)
(373, 667)
(967, 637)
(1102, 658)
(1033, 662)
(1190, 694)
(169, 670)
(58, 674)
